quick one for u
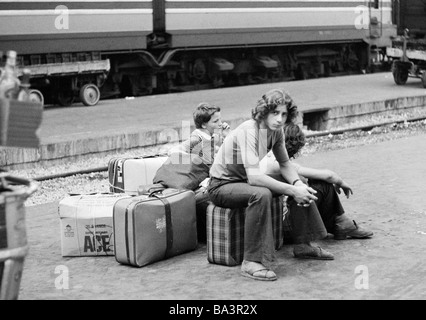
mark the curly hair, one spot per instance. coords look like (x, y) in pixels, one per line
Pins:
(270, 101)
(203, 113)
(294, 139)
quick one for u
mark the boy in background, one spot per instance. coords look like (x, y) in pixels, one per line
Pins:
(189, 163)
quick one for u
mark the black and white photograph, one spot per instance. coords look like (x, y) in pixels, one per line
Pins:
(212, 158)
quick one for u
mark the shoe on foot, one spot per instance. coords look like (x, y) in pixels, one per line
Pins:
(354, 231)
(306, 251)
(257, 271)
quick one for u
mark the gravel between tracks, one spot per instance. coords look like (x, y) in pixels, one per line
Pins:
(57, 189)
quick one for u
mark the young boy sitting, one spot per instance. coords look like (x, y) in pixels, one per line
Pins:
(189, 163)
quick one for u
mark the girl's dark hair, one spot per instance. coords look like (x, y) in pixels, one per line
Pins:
(294, 139)
(270, 101)
(203, 113)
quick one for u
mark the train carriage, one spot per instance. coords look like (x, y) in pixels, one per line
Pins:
(40, 27)
(265, 39)
(162, 46)
(218, 23)
(71, 36)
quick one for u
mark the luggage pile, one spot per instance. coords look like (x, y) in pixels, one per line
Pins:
(137, 222)
(140, 223)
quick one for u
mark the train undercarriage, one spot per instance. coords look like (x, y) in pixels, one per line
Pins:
(144, 73)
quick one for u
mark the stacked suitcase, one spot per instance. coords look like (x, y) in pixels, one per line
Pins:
(127, 174)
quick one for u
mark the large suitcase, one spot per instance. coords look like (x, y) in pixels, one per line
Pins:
(150, 228)
(127, 174)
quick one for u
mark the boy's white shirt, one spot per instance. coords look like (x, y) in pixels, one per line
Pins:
(208, 137)
(204, 135)
(270, 164)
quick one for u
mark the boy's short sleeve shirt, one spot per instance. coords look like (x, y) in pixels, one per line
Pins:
(244, 148)
(201, 144)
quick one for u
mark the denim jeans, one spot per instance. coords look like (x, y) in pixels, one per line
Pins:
(305, 222)
(328, 203)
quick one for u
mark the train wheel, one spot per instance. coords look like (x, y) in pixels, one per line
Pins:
(199, 69)
(400, 74)
(36, 96)
(65, 98)
(301, 73)
(90, 94)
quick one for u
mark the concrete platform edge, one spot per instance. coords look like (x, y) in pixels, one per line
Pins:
(336, 116)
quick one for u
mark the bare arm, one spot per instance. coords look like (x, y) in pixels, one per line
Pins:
(328, 176)
(288, 172)
(300, 192)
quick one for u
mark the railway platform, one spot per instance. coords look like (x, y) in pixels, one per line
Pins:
(115, 125)
(388, 183)
(387, 179)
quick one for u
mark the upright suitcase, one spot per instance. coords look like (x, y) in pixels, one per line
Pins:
(127, 174)
(150, 228)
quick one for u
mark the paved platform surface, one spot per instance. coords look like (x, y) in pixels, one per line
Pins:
(388, 180)
(115, 125)
(111, 117)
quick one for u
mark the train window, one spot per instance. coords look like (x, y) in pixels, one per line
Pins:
(376, 4)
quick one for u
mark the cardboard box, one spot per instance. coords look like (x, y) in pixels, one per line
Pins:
(87, 225)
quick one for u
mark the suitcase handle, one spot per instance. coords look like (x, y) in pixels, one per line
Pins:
(71, 194)
(6, 180)
(150, 189)
(163, 193)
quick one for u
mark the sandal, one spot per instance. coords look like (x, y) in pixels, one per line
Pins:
(257, 271)
(309, 252)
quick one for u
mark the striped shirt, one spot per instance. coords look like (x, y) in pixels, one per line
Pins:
(202, 144)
